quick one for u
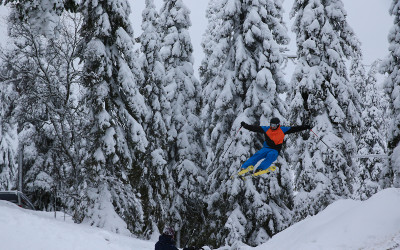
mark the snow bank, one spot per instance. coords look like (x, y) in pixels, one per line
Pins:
(25, 229)
(347, 224)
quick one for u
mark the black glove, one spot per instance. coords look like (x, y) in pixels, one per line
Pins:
(243, 124)
(308, 127)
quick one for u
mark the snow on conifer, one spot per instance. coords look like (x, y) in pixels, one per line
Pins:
(242, 78)
(185, 147)
(112, 78)
(43, 16)
(323, 96)
(155, 178)
(391, 66)
(372, 140)
(8, 136)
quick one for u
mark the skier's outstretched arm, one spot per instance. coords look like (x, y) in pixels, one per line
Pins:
(253, 128)
(298, 129)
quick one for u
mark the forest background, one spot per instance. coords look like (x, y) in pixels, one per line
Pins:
(111, 122)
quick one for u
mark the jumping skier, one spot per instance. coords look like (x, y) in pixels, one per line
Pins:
(274, 136)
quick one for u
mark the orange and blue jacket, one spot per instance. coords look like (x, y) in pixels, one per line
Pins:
(274, 138)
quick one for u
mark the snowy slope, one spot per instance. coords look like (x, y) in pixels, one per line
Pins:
(35, 230)
(346, 224)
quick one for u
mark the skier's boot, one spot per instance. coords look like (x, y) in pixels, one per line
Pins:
(245, 170)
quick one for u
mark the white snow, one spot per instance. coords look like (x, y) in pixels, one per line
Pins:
(36, 230)
(345, 224)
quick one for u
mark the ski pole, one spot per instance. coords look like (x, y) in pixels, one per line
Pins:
(327, 145)
(212, 163)
(321, 139)
(231, 143)
(217, 157)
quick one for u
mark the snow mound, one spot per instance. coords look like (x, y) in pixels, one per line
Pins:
(37, 230)
(346, 224)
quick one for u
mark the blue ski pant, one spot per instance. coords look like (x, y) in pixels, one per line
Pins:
(268, 154)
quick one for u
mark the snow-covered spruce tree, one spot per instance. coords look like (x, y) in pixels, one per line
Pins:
(370, 177)
(42, 15)
(185, 147)
(214, 56)
(391, 66)
(241, 78)
(322, 95)
(358, 77)
(41, 72)
(153, 178)
(112, 78)
(8, 133)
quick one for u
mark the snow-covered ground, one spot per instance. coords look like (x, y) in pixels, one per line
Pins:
(35, 230)
(346, 224)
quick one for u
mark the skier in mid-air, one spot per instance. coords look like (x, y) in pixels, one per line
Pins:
(274, 136)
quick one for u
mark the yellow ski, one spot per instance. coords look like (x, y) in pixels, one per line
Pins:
(243, 171)
(258, 173)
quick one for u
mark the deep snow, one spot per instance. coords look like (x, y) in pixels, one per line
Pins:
(35, 230)
(345, 224)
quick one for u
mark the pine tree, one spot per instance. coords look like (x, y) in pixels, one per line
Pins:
(155, 178)
(112, 78)
(372, 137)
(8, 135)
(42, 15)
(242, 78)
(358, 75)
(185, 150)
(391, 66)
(323, 96)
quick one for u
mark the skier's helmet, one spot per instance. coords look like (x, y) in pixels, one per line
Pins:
(274, 123)
(169, 231)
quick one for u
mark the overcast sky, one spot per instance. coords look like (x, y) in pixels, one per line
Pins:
(370, 20)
